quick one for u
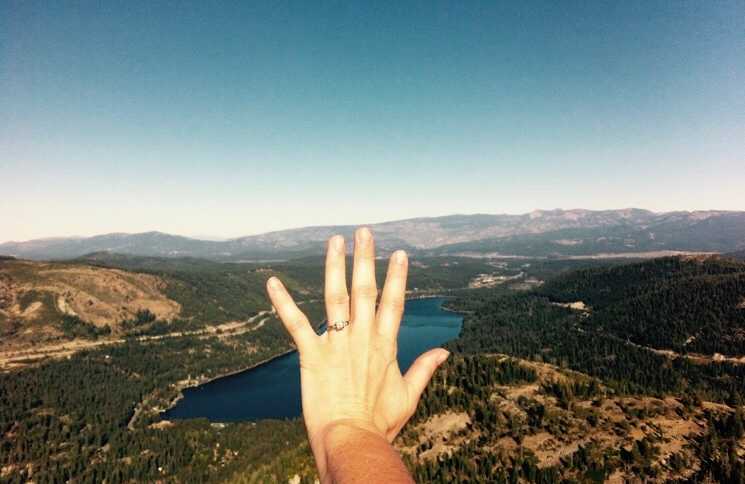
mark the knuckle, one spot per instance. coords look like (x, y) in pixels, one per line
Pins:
(366, 291)
(337, 299)
(295, 323)
(396, 303)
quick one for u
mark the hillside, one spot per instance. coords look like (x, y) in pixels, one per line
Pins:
(491, 418)
(681, 304)
(217, 289)
(53, 309)
(50, 301)
(592, 387)
(544, 233)
(209, 292)
(660, 334)
(545, 382)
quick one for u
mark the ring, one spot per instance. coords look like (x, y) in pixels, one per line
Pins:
(338, 325)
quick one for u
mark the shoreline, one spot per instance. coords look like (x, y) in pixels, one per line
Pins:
(180, 388)
(247, 368)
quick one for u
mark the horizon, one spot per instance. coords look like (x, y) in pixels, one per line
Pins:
(219, 220)
(216, 238)
(244, 119)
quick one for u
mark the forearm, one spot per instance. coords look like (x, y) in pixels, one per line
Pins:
(353, 454)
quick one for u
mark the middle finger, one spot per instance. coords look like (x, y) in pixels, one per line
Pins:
(364, 290)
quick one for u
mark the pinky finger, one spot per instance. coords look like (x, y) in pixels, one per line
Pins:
(292, 317)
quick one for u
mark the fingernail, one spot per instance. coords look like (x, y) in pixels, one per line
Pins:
(363, 235)
(337, 242)
(399, 257)
(273, 283)
(444, 354)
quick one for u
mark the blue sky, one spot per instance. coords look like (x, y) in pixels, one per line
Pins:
(227, 119)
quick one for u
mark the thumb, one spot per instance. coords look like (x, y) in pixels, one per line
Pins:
(420, 373)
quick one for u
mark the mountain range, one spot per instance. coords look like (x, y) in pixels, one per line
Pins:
(541, 233)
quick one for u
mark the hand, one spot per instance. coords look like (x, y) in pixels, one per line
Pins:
(351, 378)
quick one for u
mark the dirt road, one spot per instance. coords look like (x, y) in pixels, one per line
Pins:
(19, 358)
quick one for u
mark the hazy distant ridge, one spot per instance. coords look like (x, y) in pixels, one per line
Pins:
(542, 232)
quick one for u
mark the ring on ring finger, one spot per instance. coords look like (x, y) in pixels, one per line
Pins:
(337, 325)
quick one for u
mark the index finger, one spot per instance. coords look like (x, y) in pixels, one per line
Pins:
(292, 317)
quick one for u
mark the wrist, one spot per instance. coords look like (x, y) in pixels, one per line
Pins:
(353, 448)
(338, 436)
(340, 431)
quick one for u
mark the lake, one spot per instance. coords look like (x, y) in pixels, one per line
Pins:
(272, 390)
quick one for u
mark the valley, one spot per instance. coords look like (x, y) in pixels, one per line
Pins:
(556, 374)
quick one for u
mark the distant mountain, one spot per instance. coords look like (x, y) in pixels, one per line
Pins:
(147, 243)
(539, 233)
(675, 231)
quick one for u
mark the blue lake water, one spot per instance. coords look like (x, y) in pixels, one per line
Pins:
(272, 390)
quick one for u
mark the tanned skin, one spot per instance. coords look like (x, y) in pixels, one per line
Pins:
(355, 399)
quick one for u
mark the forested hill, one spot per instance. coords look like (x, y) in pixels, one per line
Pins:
(647, 327)
(682, 304)
(607, 397)
(636, 410)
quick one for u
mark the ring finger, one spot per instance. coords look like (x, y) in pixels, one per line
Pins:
(335, 289)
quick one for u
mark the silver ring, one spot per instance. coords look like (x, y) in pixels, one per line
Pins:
(337, 325)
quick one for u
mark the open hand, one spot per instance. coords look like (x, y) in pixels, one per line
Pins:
(351, 376)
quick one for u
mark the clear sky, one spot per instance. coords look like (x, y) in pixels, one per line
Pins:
(228, 119)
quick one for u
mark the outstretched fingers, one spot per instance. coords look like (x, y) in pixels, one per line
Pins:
(292, 317)
(392, 301)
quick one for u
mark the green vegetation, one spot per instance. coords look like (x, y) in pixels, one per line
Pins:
(209, 292)
(48, 309)
(88, 417)
(671, 303)
(532, 326)
(212, 292)
(718, 450)
(70, 417)
(504, 435)
(75, 327)
(634, 308)
(466, 380)
(94, 416)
